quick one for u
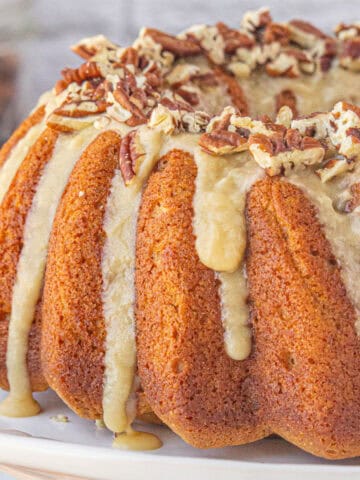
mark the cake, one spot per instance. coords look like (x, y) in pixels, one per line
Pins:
(180, 238)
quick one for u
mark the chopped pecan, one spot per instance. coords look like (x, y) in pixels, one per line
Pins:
(344, 32)
(188, 95)
(350, 54)
(223, 142)
(284, 116)
(130, 56)
(181, 74)
(177, 46)
(283, 66)
(275, 32)
(207, 79)
(288, 98)
(234, 39)
(255, 20)
(89, 47)
(173, 104)
(84, 72)
(68, 124)
(137, 116)
(210, 40)
(344, 131)
(334, 167)
(304, 33)
(279, 151)
(82, 108)
(234, 90)
(351, 200)
(328, 51)
(239, 69)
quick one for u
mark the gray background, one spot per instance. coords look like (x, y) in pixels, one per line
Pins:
(42, 30)
(58, 24)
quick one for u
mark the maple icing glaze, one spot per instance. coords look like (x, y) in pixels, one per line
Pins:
(222, 183)
(31, 266)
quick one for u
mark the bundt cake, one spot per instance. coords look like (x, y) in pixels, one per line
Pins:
(180, 237)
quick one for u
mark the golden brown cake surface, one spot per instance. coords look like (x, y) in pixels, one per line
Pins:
(13, 213)
(73, 332)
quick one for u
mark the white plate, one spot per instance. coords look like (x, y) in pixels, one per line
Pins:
(79, 448)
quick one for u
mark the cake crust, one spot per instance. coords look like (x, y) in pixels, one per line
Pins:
(20, 133)
(73, 331)
(191, 383)
(303, 324)
(13, 212)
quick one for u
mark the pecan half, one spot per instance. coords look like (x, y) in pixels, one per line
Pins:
(304, 33)
(177, 46)
(279, 151)
(275, 32)
(334, 167)
(223, 142)
(257, 19)
(189, 96)
(89, 47)
(86, 71)
(128, 155)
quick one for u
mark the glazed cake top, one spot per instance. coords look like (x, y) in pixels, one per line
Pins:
(185, 83)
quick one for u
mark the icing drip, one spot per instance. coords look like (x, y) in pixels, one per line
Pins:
(134, 440)
(235, 313)
(219, 225)
(17, 155)
(118, 268)
(31, 267)
(341, 229)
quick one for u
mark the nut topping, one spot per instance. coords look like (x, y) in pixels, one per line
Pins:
(234, 39)
(128, 156)
(286, 98)
(283, 152)
(223, 142)
(350, 54)
(180, 47)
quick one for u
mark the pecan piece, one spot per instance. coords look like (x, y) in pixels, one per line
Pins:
(189, 96)
(234, 90)
(334, 167)
(304, 33)
(128, 155)
(86, 71)
(350, 54)
(234, 39)
(257, 19)
(177, 46)
(279, 152)
(288, 98)
(175, 104)
(137, 116)
(89, 47)
(223, 142)
(275, 32)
